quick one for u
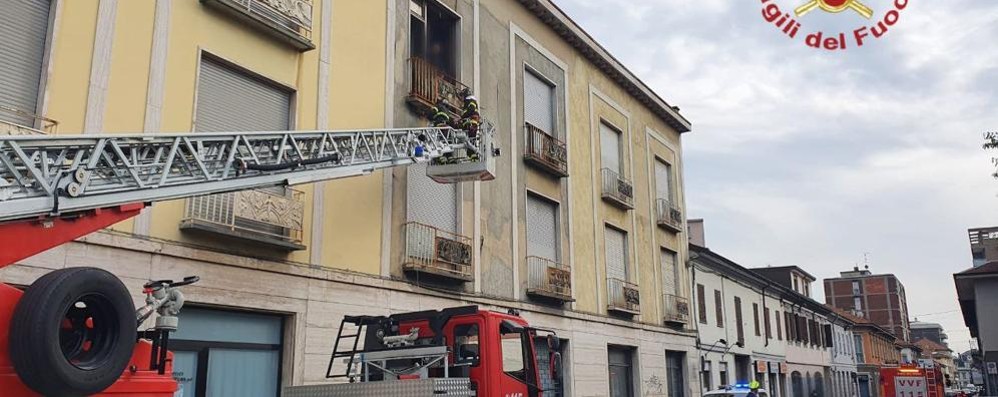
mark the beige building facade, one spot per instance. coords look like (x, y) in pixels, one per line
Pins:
(582, 230)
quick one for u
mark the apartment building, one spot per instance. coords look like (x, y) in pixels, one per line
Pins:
(977, 290)
(878, 297)
(759, 324)
(582, 230)
(930, 331)
(983, 245)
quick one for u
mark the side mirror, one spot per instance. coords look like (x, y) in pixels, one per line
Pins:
(556, 365)
(554, 342)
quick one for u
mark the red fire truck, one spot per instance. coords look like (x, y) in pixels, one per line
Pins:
(911, 381)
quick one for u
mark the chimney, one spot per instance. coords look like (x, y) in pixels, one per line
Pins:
(694, 229)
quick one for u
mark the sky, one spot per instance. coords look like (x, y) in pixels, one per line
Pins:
(827, 159)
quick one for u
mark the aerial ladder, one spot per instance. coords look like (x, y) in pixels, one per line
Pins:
(73, 332)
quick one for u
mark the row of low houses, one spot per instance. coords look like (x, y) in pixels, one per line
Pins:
(763, 324)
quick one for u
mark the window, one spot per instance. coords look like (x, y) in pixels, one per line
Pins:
(227, 353)
(855, 288)
(755, 318)
(616, 253)
(701, 304)
(828, 335)
(796, 287)
(738, 320)
(675, 373)
(765, 324)
(230, 99)
(610, 149)
(514, 350)
(539, 102)
(857, 304)
(466, 345)
(670, 274)
(722, 371)
(543, 238)
(719, 308)
(433, 35)
(23, 30)
(621, 372)
(663, 180)
(858, 342)
(705, 378)
(779, 329)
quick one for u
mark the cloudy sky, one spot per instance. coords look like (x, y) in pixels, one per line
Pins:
(815, 158)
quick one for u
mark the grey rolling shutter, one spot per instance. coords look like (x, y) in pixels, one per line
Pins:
(663, 180)
(23, 27)
(616, 254)
(538, 103)
(429, 202)
(669, 271)
(542, 228)
(230, 100)
(609, 148)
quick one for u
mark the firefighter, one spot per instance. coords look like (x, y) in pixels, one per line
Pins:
(440, 118)
(471, 118)
(753, 389)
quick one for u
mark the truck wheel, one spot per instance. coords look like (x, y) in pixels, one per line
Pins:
(73, 332)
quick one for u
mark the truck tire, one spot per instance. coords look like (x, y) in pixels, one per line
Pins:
(73, 332)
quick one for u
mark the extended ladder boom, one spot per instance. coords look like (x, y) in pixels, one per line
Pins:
(51, 175)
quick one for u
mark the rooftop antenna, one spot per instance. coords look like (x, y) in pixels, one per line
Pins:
(866, 260)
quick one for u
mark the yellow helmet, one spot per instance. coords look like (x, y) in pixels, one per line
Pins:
(754, 384)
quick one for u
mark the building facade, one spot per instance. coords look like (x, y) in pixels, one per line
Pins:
(583, 229)
(879, 298)
(983, 245)
(977, 290)
(930, 331)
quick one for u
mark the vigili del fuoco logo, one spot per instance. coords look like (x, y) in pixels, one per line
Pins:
(876, 23)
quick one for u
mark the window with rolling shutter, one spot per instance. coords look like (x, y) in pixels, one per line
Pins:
(539, 102)
(610, 148)
(765, 324)
(230, 99)
(663, 180)
(829, 342)
(542, 228)
(24, 25)
(779, 327)
(719, 308)
(701, 304)
(616, 253)
(670, 273)
(738, 320)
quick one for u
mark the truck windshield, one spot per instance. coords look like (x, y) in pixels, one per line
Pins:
(514, 350)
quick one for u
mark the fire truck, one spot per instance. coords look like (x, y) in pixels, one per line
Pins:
(910, 380)
(74, 331)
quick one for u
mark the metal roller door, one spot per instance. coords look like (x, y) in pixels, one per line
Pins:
(609, 148)
(429, 202)
(616, 253)
(542, 228)
(538, 102)
(232, 100)
(23, 27)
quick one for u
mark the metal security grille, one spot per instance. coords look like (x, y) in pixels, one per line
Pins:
(663, 180)
(669, 273)
(230, 100)
(538, 103)
(23, 28)
(431, 203)
(542, 228)
(616, 253)
(610, 148)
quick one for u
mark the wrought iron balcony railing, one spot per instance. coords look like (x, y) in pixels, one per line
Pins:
(428, 86)
(617, 190)
(15, 121)
(676, 310)
(668, 215)
(546, 151)
(623, 296)
(435, 252)
(273, 216)
(549, 279)
(287, 20)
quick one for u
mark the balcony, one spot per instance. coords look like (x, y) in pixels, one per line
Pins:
(668, 215)
(549, 279)
(617, 190)
(676, 310)
(428, 86)
(15, 121)
(546, 152)
(434, 252)
(270, 217)
(623, 297)
(289, 21)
